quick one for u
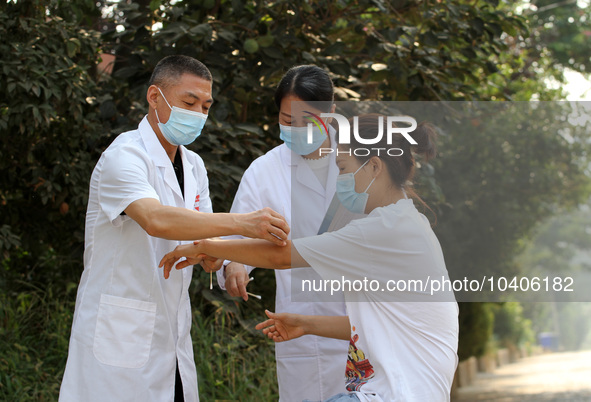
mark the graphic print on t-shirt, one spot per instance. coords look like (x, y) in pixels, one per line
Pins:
(359, 370)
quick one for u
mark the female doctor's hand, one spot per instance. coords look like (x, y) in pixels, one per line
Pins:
(237, 279)
(283, 326)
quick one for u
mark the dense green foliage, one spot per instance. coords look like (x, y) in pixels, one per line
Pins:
(50, 141)
(496, 187)
(375, 51)
(493, 189)
(58, 112)
(232, 362)
(510, 327)
(561, 29)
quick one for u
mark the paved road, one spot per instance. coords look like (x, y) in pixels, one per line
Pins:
(550, 377)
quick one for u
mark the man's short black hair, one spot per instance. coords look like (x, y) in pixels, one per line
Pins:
(171, 68)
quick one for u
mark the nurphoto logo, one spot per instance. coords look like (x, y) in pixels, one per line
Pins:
(345, 133)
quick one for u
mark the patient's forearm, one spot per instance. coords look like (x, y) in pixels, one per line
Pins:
(337, 327)
(254, 252)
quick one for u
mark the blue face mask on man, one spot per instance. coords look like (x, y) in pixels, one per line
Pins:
(296, 138)
(183, 126)
(351, 199)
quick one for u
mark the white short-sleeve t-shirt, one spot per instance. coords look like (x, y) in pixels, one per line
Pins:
(403, 345)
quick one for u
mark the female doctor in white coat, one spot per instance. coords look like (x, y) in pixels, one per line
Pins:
(294, 179)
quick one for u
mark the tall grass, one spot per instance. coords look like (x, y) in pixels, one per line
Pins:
(233, 361)
(34, 334)
(232, 364)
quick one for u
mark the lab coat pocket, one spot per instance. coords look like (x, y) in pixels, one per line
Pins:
(124, 329)
(305, 346)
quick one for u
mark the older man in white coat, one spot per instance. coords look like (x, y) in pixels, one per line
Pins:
(130, 336)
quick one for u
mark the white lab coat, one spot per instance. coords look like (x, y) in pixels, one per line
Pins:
(130, 325)
(310, 367)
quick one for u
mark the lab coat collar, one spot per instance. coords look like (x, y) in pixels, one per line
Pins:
(190, 179)
(153, 145)
(159, 156)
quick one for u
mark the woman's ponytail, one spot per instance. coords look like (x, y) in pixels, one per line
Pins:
(425, 136)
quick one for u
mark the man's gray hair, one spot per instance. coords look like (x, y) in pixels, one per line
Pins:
(171, 68)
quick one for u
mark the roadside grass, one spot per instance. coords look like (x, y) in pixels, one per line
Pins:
(234, 362)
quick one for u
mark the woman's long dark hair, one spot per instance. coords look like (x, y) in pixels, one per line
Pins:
(309, 83)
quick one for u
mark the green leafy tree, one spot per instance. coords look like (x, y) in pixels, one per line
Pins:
(502, 168)
(374, 50)
(50, 140)
(562, 29)
(50, 137)
(476, 328)
(57, 113)
(511, 328)
(559, 31)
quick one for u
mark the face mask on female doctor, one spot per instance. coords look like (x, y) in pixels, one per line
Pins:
(351, 199)
(296, 138)
(183, 126)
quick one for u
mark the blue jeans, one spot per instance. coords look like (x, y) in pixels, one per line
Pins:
(344, 397)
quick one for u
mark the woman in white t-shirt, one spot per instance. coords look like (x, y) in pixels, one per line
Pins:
(403, 335)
